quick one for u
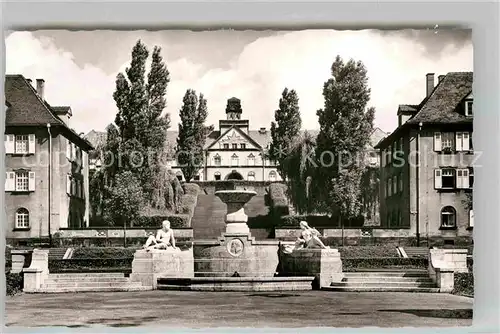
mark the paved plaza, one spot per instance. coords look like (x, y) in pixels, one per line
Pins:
(238, 309)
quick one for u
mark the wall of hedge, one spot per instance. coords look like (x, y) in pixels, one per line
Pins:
(90, 265)
(278, 200)
(354, 264)
(14, 283)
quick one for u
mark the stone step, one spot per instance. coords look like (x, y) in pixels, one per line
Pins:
(94, 289)
(385, 274)
(382, 288)
(230, 274)
(91, 284)
(86, 279)
(387, 279)
(383, 284)
(85, 275)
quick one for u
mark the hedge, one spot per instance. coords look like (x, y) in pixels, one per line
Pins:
(176, 221)
(314, 221)
(380, 251)
(463, 284)
(191, 189)
(103, 253)
(353, 264)
(90, 265)
(14, 283)
(278, 199)
(187, 205)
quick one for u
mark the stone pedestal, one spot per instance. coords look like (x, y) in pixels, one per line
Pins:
(236, 219)
(324, 264)
(450, 259)
(171, 263)
(37, 272)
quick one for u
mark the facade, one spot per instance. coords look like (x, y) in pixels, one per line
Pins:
(46, 185)
(426, 169)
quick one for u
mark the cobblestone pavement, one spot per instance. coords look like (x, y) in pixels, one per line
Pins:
(238, 309)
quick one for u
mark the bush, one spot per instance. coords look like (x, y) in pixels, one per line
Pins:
(278, 199)
(188, 204)
(90, 265)
(380, 251)
(191, 189)
(154, 222)
(353, 264)
(464, 284)
(313, 220)
(103, 253)
(14, 283)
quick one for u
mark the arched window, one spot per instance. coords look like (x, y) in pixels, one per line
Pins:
(22, 218)
(251, 160)
(217, 160)
(251, 176)
(234, 160)
(217, 176)
(179, 175)
(448, 217)
(272, 175)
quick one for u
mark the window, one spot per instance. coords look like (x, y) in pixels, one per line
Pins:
(463, 178)
(463, 141)
(471, 177)
(389, 187)
(444, 178)
(21, 145)
(217, 160)
(468, 108)
(22, 181)
(243, 146)
(448, 217)
(226, 146)
(447, 141)
(197, 177)
(235, 146)
(251, 160)
(272, 176)
(234, 160)
(251, 176)
(217, 176)
(22, 218)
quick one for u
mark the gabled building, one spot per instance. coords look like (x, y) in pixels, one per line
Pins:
(426, 167)
(46, 185)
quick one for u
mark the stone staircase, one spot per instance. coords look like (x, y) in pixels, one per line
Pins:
(421, 252)
(385, 281)
(57, 253)
(210, 211)
(89, 282)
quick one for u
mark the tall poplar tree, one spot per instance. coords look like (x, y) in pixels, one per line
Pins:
(192, 134)
(285, 128)
(345, 128)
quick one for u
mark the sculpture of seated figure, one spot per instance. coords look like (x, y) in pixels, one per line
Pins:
(309, 238)
(164, 238)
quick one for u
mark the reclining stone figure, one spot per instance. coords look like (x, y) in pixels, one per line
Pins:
(164, 238)
(309, 238)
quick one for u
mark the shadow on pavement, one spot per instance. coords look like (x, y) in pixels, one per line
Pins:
(439, 313)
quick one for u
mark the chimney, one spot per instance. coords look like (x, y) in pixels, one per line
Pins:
(262, 130)
(430, 83)
(440, 78)
(40, 85)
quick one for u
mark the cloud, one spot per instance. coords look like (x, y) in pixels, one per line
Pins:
(300, 60)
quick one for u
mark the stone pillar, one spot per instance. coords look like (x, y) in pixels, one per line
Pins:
(324, 264)
(38, 271)
(148, 266)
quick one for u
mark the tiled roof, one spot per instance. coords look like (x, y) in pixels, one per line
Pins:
(441, 105)
(27, 108)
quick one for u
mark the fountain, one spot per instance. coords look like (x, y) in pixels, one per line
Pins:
(236, 219)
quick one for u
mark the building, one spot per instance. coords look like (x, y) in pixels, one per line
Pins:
(46, 185)
(426, 163)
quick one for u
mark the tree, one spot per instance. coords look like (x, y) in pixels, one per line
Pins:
(125, 200)
(285, 129)
(299, 166)
(192, 134)
(142, 125)
(345, 128)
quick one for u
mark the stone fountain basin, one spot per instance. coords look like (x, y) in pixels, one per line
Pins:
(235, 196)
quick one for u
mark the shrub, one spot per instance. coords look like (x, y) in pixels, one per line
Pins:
(103, 253)
(90, 265)
(176, 221)
(188, 204)
(14, 283)
(191, 189)
(380, 251)
(353, 264)
(464, 284)
(278, 199)
(313, 220)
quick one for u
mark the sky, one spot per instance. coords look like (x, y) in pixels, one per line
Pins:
(80, 68)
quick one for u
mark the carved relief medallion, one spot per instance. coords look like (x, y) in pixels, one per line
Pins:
(235, 247)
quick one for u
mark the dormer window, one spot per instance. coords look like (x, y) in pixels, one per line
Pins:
(468, 108)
